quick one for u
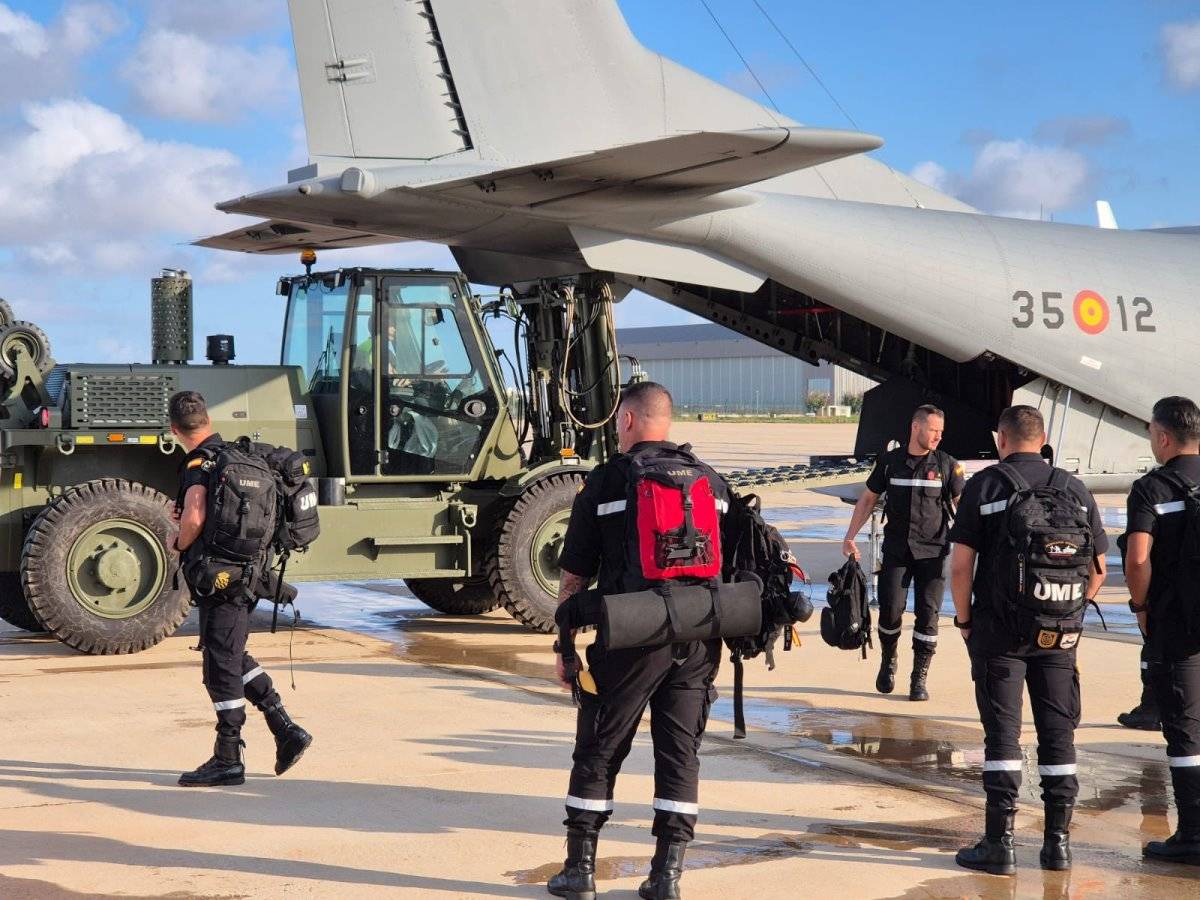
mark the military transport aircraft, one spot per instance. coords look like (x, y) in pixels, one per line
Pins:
(538, 138)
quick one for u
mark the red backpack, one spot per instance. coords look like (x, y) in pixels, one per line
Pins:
(672, 520)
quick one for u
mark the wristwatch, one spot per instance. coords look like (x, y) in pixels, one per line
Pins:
(1134, 608)
(958, 624)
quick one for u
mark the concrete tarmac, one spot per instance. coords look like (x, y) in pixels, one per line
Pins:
(440, 760)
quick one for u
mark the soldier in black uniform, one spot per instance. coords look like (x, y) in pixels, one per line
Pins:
(1162, 578)
(231, 675)
(1002, 660)
(675, 680)
(920, 484)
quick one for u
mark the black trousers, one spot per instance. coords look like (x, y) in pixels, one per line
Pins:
(929, 581)
(1053, 682)
(676, 682)
(231, 675)
(1177, 688)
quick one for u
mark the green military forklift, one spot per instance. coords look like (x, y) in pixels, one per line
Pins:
(428, 466)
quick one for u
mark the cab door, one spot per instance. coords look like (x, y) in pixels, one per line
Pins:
(416, 355)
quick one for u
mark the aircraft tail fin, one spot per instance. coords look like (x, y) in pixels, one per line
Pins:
(523, 80)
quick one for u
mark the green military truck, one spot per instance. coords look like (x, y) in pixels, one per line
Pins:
(428, 466)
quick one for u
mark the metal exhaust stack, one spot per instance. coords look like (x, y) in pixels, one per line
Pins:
(171, 318)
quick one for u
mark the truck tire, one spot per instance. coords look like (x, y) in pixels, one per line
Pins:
(523, 563)
(13, 608)
(97, 570)
(455, 598)
(29, 338)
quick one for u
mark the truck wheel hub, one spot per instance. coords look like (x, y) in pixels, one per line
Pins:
(117, 569)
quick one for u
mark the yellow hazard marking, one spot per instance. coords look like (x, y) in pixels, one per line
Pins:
(18, 481)
(221, 581)
(195, 462)
(148, 439)
(85, 439)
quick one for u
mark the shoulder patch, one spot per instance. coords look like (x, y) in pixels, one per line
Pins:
(196, 463)
(959, 469)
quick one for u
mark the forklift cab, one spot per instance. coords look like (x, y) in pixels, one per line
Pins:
(398, 371)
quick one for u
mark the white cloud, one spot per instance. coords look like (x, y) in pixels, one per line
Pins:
(1015, 178)
(180, 75)
(22, 33)
(1080, 131)
(42, 60)
(86, 186)
(83, 26)
(1181, 54)
(218, 18)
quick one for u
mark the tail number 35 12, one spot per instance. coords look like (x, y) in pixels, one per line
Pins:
(1088, 310)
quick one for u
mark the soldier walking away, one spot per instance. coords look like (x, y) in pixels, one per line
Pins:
(675, 680)
(1029, 547)
(1162, 569)
(920, 485)
(231, 675)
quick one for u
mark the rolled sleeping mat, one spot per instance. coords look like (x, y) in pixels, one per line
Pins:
(642, 618)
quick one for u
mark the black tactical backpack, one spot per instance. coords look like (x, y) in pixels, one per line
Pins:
(298, 523)
(759, 548)
(1044, 560)
(846, 621)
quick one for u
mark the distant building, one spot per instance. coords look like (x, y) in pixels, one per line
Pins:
(710, 368)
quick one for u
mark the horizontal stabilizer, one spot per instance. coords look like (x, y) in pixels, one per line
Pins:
(1178, 229)
(608, 252)
(289, 237)
(700, 163)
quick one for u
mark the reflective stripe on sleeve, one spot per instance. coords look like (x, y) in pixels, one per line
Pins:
(676, 806)
(927, 638)
(723, 506)
(1145, 665)
(607, 509)
(988, 508)
(1183, 762)
(1002, 765)
(1064, 769)
(222, 705)
(1173, 507)
(916, 482)
(589, 805)
(252, 674)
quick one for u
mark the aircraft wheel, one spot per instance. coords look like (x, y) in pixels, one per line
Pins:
(472, 597)
(523, 564)
(97, 568)
(13, 607)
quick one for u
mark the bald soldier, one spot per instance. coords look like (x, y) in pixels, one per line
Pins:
(674, 680)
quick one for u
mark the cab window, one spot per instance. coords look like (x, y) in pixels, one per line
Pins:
(312, 336)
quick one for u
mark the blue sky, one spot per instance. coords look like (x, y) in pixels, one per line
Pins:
(125, 122)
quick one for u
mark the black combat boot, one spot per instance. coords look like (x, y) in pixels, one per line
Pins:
(885, 681)
(225, 767)
(1056, 840)
(916, 688)
(577, 880)
(1143, 717)
(290, 739)
(1184, 845)
(994, 854)
(665, 871)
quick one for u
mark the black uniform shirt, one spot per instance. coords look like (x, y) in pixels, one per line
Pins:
(978, 526)
(1155, 506)
(917, 491)
(192, 470)
(595, 541)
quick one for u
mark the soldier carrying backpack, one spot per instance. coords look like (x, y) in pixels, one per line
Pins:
(231, 509)
(1028, 557)
(1162, 569)
(649, 526)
